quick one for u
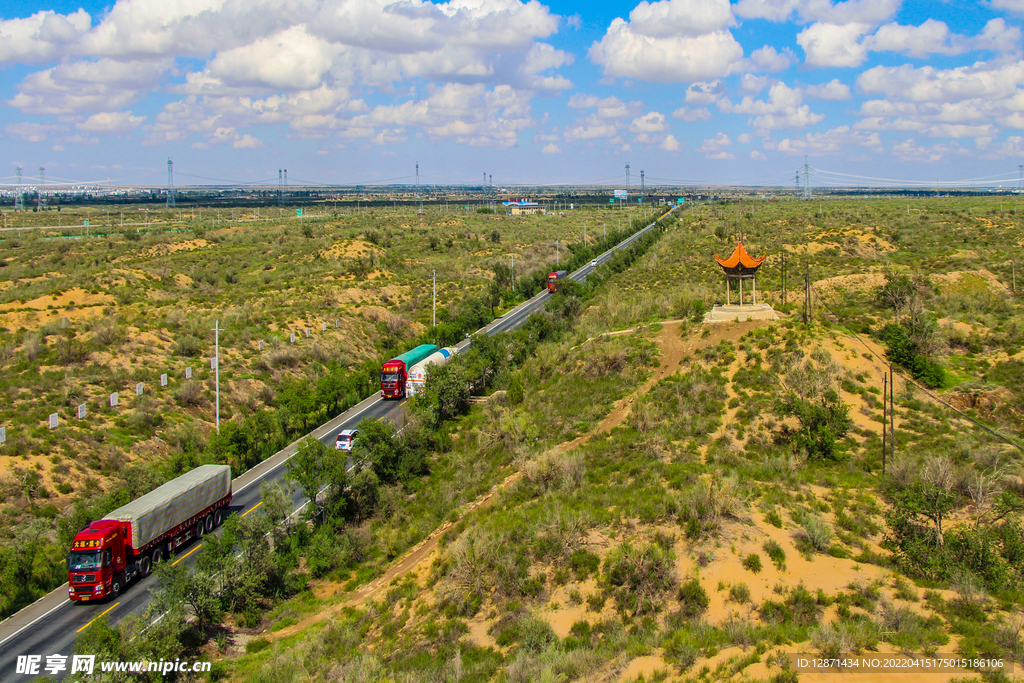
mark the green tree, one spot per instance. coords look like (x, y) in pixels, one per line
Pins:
(377, 445)
(364, 494)
(310, 468)
(194, 589)
(447, 391)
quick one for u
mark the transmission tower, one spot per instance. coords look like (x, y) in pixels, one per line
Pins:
(641, 185)
(627, 178)
(19, 198)
(280, 188)
(796, 180)
(170, 183)
(40, 203)
(807, 179)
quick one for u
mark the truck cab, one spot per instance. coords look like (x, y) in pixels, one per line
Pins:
(553, 279)
(97, 566)
(392, 380)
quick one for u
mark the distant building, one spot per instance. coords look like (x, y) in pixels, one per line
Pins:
(524, 207)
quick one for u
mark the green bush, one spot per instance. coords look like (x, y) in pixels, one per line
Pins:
(903, 350)
(752, 562)
(817, 533)
(639, 576)
(776, 554)
(693, 598)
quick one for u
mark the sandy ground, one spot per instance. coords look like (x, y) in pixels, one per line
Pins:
(73, 304)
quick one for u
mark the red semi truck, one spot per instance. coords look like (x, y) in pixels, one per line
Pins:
(553, 279)
(395, 373)
(107, 554)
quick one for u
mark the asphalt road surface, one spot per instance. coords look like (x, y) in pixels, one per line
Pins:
(50, 625)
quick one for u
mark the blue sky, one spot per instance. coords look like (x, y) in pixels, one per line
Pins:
(358, 91)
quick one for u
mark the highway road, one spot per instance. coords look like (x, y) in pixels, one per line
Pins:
(50, 625)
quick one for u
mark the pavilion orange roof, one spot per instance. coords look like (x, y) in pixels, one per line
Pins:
(740, 257)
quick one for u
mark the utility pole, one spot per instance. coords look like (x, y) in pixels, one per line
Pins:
(216, 367)
(885, 417)
(642, 193)
(783, 278)
(435, 297)
(557, 261)
(170, 183)
(280, 187)
(40, 204)
(627, 181)
(892, 416)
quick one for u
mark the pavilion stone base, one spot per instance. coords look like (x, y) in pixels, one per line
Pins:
(735, 313)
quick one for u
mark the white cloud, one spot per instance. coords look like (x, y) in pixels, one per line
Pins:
(651, 122)
(117, 122)
(833, 90)
(751, 84)
(836, 141)
(757, 155)
(590, 128)
(852, 11)
(908, 150)
(606, 108)
(670, 40)
(767, 59)
(670, 144)
(40, 37)
(928, 84)
(33, 132)
(744, 138)
(681, 17)
(289, 60)
(704, 93)
(551, 148)
(999, 37)
(1009, 5)
(80, 139)
(691, 115)
(247, 142)
(833, 44)
(86, 86)
(712, 148)
(782, 109)
(931, 37)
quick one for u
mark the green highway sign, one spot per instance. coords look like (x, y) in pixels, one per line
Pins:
(612, 200)
(298, 212)
(681, 200)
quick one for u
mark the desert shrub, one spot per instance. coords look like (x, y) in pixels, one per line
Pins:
(189, 346)
(693, 598)
(817, 533)
(739, 592)
(639, 576)
(776, 554)
(708, 503)
(752, 562)
(189, 393)
(902, 349)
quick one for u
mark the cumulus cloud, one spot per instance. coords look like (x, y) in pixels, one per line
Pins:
(833, 90)
(833, 44)
(651, 122)
(670, 40)
(40, 37)
(757, 155)
(115, 122)
(782, 110)
(606, 108)
(767, 59)
(931, 37)
(850, 11)
(704, 92)
(247, 142)
(835, 141)
(670, 144)
(551, 148)
(691, 115)
(713, 148)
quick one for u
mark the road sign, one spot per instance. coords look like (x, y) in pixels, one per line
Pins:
(138, 389)
(298, 212)
(620, 194)
(612, 200)
(163, 380)
(188, 373)
(81, 411)
(293, 337)
(307, 332)
(681, 200)
(54, 420)
(213, 363)
(113, 400)
(3, 434)
(87, 223)
(261, 344)
(323, 326)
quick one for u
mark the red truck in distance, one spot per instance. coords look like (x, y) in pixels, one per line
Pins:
(107, 554)
(553, 279)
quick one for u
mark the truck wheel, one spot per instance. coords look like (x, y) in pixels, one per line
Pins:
(200, 529)
(145, 566)
(218, 517)
(208, 523)
(116, 585)
(158, 555)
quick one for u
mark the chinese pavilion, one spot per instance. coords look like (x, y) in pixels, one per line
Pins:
(740, 266)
